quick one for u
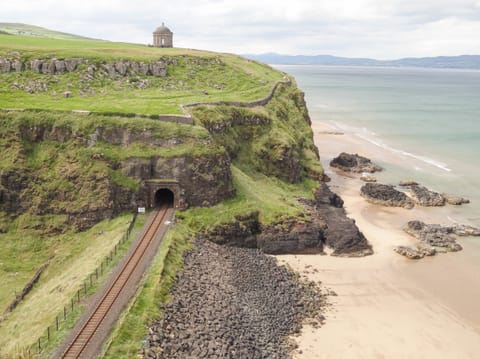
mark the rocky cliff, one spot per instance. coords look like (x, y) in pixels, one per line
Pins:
(89, 168)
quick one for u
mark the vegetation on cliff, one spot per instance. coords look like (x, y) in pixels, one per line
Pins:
(62, 172)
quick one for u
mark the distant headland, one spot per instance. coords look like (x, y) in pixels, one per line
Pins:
(452, 62)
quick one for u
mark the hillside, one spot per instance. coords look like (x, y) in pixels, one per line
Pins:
(36, 31)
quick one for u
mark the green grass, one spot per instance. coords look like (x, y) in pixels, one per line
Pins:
(37, 31)
(196, 76)
(126, 339)
(73, 257)
(272, 197)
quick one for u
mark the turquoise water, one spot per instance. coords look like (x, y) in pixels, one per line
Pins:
(431, 117)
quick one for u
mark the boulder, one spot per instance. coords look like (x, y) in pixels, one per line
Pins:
(385, 195)
(5, 66)
(354, 163)
(18, 65)
(407, 183)
(455, 200)
(424, 197)
(409, 252)
(60, 66)
(158, 69)
(36, 65)
(368, 178)
(71, 64)
(440, 237)
(121, 68)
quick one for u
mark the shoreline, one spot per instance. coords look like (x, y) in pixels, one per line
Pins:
(388, 306)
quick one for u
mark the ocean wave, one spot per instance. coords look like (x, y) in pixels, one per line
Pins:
(365, 134)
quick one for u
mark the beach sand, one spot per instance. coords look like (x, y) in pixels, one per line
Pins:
(387, 306)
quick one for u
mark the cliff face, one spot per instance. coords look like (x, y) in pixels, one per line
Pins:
(89, 168)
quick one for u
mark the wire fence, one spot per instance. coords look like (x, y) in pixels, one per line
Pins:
(67, 317)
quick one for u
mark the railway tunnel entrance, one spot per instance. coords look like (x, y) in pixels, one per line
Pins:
(158, 192)
(164, 197)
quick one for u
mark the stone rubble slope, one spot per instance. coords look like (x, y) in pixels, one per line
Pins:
(231, 302)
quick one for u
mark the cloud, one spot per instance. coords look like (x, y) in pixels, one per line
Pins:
(374, 28)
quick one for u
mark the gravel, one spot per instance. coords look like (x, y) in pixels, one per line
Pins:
(232, 303)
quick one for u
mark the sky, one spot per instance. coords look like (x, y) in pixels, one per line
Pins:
(381, 29)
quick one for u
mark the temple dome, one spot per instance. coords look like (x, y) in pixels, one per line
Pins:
(162, 30)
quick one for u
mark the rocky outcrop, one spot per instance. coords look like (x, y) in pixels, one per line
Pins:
(326, 224)
(354, 163)
(205, 180)
(407, 183)
(455, 200)
(385, 195)
(232, 303)
(424, 197)
(417, 252)
(60, 66)
(434, 238)
(341, 233)
(286, 237)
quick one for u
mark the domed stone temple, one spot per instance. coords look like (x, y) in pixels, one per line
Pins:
(162, 37)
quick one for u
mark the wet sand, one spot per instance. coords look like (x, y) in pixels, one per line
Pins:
(387, 306)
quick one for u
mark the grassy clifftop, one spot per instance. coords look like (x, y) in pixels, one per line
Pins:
(191, 76)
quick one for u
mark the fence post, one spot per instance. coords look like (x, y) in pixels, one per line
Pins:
(101, 268)
(91, 282)
(96, 273)
(39, 345)
(56, 322)
(78, 295)
(72, 304)
(64, 313)
(48, 333)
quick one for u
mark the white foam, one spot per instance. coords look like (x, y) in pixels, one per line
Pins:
(365, 134)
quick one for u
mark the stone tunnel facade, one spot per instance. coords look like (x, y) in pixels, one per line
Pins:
(194, 181)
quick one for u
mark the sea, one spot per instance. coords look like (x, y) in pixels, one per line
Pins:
(429, 117)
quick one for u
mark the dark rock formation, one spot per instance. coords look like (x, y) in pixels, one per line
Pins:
(205, 180)
(435, 238)
(354, 163)
(385, 195)
(420, 251)
(327, 224)
(407, 183)
(231, 303)
(341, 234)
(288, 236)
(424, 197)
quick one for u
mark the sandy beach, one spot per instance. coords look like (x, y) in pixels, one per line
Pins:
(387, 306)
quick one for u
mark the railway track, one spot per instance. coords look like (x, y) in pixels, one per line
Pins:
(84, 336)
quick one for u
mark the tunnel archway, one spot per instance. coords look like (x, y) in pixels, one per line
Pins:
(164, 197)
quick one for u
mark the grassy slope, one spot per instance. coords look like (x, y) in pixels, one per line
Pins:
(227, 77)
(74, 256)
(232, 78)
(37, 31)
